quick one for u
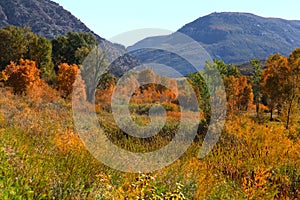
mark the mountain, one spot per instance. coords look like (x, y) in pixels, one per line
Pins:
(47, 18)
(232, 37)
(237, 37)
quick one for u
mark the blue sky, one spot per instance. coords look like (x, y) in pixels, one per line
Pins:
(109, 18)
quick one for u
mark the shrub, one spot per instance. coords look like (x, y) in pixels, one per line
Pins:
(68, 78)
(22, 76)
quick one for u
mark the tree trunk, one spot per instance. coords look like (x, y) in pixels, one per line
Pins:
(289, 114)
(271, 114)
(90, 94)
(257, 108)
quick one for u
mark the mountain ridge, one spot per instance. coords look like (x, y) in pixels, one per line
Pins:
(237, 37)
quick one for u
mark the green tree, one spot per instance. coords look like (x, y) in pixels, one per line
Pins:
(14, 42)
(221, 66)
(232, 70)
(72, 48)
(224, 69)
(41, 52)
(17, 43)
(202, 92)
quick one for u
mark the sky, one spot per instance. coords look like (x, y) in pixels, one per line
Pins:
(109, 18)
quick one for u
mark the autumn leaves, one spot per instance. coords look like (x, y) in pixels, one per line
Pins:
(280, 83)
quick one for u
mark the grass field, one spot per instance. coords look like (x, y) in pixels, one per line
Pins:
(42, 157)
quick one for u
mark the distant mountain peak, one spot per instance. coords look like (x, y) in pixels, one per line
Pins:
(237, 37)
(234, 37)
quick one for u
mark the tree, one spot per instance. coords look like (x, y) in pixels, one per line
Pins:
(22, 76)
(238, 92)
(201, 90)
(13, 44)
(232, 70)
(17, 43)
(40, 50)
(292, 90)
(72, 48)
(245, 93)
(92, 69)
(274, 82)
(67, 75)
(209, 80)
(256, 82)
(221, 66)
(105, 90)
(232, 92)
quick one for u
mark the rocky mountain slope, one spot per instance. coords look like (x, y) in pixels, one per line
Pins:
(47, 18)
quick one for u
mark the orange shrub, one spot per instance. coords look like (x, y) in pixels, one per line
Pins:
(21, 77)
(67, 75)
(42, 93)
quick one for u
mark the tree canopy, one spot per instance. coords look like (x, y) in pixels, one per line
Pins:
(72, 48)
(20, 43)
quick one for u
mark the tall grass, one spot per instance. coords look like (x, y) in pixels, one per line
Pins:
(42, 157)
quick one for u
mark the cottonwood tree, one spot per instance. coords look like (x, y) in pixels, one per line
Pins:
(275, 81)
(256, 82)
(245, 93)
(238, 92)
(293, 82)
(92, 69)
(72, 48)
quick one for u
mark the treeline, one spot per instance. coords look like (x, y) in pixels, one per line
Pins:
(277, 87)
(29, 62)
(20, 43)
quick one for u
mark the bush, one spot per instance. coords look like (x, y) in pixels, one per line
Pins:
(21, 77)
(69, 77)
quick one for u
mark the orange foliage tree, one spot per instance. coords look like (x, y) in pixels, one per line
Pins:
(245, 95)
(239, 93)
(293, 89)
(274, 81)
(67, 75)
(22, 76)
(281, 82)
(162, 89)
(105, 91)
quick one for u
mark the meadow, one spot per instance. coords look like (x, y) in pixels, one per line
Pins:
(42, 157)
